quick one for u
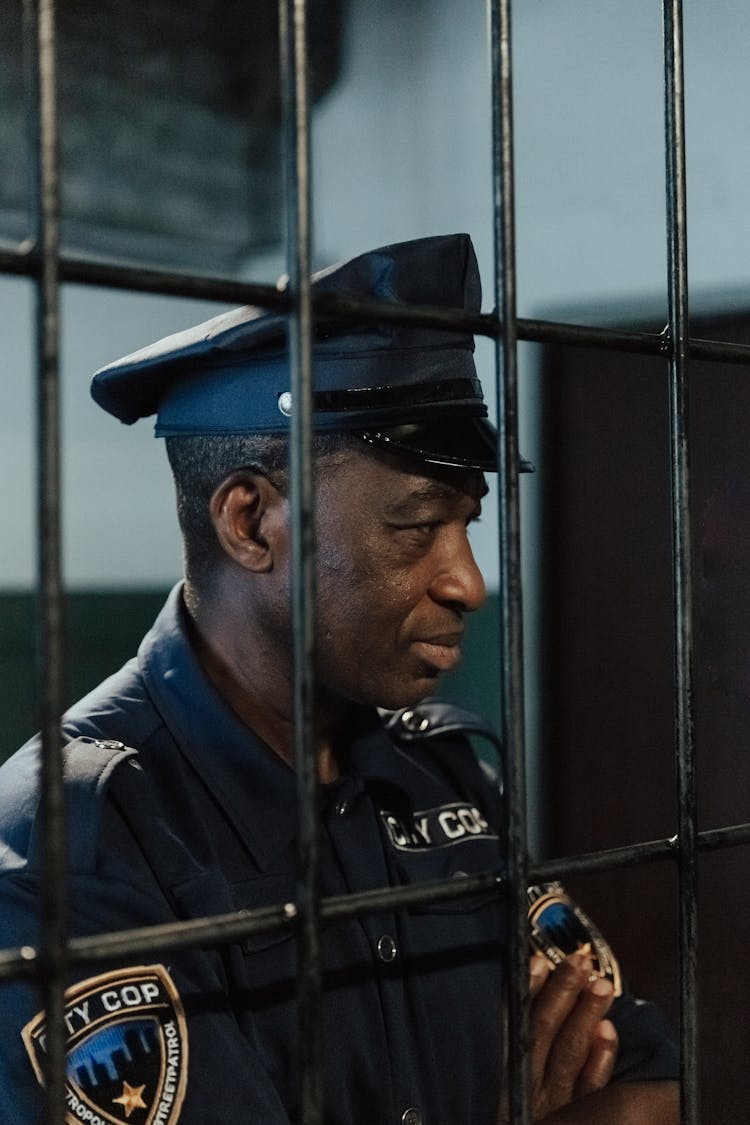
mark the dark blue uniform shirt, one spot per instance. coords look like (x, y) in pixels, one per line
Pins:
(176, 811)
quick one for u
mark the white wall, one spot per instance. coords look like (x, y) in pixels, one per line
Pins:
(402, 149)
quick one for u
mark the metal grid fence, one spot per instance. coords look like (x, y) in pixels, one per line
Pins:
(42, 261)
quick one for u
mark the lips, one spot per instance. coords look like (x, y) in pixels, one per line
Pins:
(442, 652)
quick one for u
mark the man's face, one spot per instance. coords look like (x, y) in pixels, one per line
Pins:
(396, 575)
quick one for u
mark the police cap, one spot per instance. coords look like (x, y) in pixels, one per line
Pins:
(412, 389)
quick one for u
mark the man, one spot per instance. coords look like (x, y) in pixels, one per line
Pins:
(181, 767)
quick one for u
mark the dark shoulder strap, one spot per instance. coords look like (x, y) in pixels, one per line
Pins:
(88, 766)
(438, 726)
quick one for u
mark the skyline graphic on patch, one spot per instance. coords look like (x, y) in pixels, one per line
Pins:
(127, 1048)
(558, 926)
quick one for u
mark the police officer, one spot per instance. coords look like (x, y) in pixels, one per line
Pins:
(180, 768)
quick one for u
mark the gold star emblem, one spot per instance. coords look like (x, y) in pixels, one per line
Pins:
(130, 1098)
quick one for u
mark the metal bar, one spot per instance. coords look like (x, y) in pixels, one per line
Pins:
(712, 349)
(143, 279)
(113, 275)
(226, 928)
(731, 836)
(511, 639)
(674, 117)
(296, 112)
(223, 929)
(53, 959)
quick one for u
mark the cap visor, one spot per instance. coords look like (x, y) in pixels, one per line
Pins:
(467, 441)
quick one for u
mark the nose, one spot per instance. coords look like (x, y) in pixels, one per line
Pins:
(458, 581)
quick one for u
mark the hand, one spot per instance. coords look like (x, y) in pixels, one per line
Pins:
(573, 1045)
(574, 1048)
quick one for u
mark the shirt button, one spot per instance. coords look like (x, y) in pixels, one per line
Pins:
(387, 949)
(415, 722)
(341, 808)
(411, 1116)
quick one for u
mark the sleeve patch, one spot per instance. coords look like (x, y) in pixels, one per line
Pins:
(127, 1048)
(558, 927)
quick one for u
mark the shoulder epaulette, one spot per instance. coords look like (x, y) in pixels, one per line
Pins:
(88, 765)
(433, 718)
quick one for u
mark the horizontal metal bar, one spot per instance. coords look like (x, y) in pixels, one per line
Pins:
(614, 859)
(716, 349)
(114, 275)
(588, 336)
(111, 275)
(623, 340)
(633, 855)
(730, 836)
(225, 928)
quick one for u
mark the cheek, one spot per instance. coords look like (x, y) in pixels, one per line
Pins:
(341, 591)
(341, 581)
(354, 568)
(360, 599)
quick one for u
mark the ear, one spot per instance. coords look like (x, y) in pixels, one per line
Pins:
(250, 518)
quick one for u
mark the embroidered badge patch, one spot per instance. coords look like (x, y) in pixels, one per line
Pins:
(127, 1049)
(558, 927)
(436, 828)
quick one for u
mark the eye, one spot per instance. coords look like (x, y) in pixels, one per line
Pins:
(418, 533)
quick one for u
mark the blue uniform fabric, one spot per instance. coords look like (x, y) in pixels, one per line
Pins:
(193, 815)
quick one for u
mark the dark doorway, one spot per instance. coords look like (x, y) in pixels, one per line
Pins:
(608, 722)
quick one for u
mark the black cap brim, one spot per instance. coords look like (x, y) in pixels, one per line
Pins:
(470, 442)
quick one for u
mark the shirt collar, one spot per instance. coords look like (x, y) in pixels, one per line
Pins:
(255, 788)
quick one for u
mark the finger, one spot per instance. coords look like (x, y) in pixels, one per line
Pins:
(553, 1005)
(600, 1064)
(570, 1051)
(539, 970)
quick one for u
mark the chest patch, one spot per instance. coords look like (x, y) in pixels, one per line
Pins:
(439, 827)
(127, 1050)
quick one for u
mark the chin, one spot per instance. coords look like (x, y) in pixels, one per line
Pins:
(407, 694)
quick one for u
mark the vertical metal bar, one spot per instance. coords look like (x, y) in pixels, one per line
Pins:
(510, 568)
(49, 557)
(679, 433)
(295, 86)
(31, 101)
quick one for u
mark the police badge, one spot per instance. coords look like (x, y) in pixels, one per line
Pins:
(127, 1048)
(558, 927)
